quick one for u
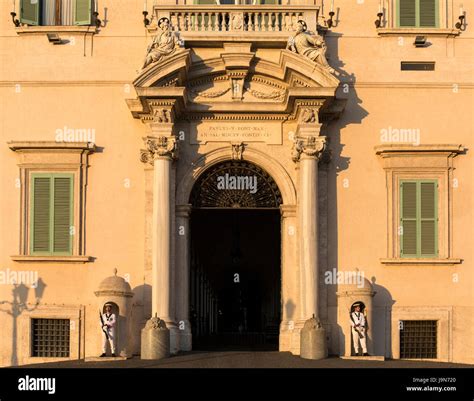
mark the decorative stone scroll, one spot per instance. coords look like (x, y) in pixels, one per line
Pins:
(156, 147)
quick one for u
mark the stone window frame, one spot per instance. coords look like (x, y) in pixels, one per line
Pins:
(444, 318)
(447, 18)
(75, 314)
(431, 162)
(53, 157)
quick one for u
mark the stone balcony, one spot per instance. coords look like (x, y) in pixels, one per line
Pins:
(244, 23)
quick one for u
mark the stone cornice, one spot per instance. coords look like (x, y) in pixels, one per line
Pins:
(38, 146)
(410, 150)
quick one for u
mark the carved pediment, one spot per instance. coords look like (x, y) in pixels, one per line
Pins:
(234, 82)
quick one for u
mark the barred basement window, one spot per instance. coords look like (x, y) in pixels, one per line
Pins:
(50, 338)
(418, 339)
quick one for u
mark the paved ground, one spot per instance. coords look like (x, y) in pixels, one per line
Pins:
(245, 359)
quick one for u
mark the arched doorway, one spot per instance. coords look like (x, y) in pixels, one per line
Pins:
(235, 282)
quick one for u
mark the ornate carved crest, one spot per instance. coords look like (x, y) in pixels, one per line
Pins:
(237, 151)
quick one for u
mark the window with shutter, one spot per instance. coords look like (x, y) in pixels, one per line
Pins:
(51, 214)
(83, 12)
(418, 218)
(56, 12)
(30, 12)
(418, 13)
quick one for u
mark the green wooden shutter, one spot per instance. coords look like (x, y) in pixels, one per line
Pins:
(419, 218)
(408, 218)
(428, 218)
(83, 12)
(51, 214)
(30, 12)
(41, 215)
(62, 206)
(428, 13)
(406, 13)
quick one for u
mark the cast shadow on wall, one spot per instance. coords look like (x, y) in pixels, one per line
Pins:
(19, 305)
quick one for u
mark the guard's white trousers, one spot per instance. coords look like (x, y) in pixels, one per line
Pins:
(356, 339)
(111, 341)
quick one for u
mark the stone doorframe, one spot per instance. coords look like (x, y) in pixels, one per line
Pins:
(169, 93)
(288, 265)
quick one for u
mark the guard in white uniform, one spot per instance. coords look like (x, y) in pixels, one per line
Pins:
(358, 325)
(107, 322)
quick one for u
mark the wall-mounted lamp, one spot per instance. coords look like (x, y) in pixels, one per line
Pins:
(146, 21)
(330, 22)
(378, 21)
(16, 22)
(461, 24)
(97, 21)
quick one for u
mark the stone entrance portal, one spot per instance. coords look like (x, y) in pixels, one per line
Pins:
(235, 272)
(236, 109)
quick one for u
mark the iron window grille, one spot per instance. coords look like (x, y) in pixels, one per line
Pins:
(418, 339)
(50, 338)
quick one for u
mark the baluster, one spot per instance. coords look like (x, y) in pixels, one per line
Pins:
(273, 21)
(251, 17)
(227, 21)
(213, 22)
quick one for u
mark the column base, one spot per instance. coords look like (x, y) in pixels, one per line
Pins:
(155, 340)
(313, 340)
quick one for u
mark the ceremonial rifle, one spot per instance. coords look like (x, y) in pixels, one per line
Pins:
(103, 324)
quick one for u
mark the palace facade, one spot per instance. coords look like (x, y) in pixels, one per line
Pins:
(236, 169)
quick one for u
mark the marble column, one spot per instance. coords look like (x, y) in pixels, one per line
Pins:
(183, 274)
(307, 151)
(160, 152)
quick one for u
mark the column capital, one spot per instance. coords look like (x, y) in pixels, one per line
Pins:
(183, 210)
(308, 147)
(159, 147)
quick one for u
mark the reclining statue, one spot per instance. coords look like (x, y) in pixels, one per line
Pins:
(309, 45)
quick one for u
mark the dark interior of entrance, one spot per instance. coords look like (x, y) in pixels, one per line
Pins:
(235, 281)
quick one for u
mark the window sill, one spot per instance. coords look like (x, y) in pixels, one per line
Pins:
(62, 259)
(35, 29)
(418, 31)
(420, 261)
